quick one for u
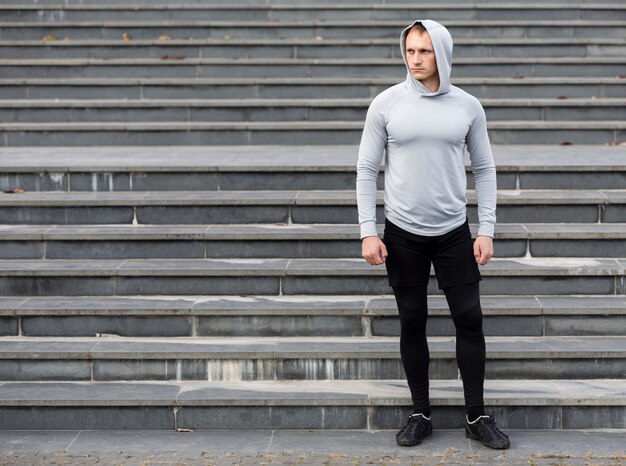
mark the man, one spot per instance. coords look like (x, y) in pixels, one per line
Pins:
(422, 127)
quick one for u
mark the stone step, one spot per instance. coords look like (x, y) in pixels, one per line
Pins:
(284, 207)
(271, 88)
(522, 276)
(287, 167)
(305, 28)
(289, 110)
(172, 67)
(169, 405)
(309, 11)
(281, 241)
(311, 358)
(310, 446)
(274, 3)
(258, 281)
(305, 315)
(283, 132)
(465, 47)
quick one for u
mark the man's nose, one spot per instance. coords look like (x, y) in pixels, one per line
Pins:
(417, 58)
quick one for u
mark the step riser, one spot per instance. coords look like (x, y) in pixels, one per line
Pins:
(333, 214)
(183, 113)
(297, 181)
(258, 417)
(298, 51)
(547, 325)
(303, 31)
(183, 249)
(294, 249)
(265, 3)
(301, 326)
(203, 181)
(300, 14)
(289, 181)
(107, 137)
(180, 69)
(263, 285)
(237, 370)
(198, 91)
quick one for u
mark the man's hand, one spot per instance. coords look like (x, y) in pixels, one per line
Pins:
(373, 250)
(483, 249)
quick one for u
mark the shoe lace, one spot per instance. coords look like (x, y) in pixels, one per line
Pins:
(489, 425)
(421, 421)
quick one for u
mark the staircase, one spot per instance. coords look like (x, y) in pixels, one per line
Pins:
(178, 233)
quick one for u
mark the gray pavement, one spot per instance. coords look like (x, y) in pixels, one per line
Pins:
(444, 447)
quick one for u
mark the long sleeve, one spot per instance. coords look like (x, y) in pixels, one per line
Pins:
(371, 151)
(484, 170)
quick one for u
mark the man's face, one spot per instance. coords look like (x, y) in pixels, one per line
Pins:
(420, 56)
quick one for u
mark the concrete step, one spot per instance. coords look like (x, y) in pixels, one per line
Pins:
(284, 207)
(268, 285)
(281, 241)
(283, 132)
(289, 110)
(286, 167)
(272, 88)
(304, 315)
(167, 405)
(305, 28)
(309, 11)
(465, 47)
(275, 3)
(523, 276)
(173, 67)
(303, 358)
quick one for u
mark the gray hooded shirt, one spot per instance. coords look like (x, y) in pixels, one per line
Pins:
(423, 135)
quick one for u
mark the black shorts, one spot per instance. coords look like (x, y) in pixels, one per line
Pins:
(410, 257)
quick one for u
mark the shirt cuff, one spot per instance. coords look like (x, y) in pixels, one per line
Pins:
(486, 230)
(368, 229)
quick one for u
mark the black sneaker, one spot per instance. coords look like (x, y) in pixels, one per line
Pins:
(417, 427)
(484, 430)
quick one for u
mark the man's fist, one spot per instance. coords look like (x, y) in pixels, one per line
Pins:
(373, 250)
(483, 249)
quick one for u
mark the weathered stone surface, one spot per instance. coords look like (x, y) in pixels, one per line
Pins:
(600, 325)
(443, 326)
(115, 370)
(282, 325)
(91, 325)
(196, 286)
(69, 417)
(66, 215)
(8, 326)
(595, 417)
(556, 369)
(211, 214)
(283, 417)
(26, 369)
(54, 286)
(21, 249)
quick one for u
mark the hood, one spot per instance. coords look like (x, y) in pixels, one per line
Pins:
(442, 44)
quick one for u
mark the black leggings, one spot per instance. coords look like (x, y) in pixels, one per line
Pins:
(464, 303)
